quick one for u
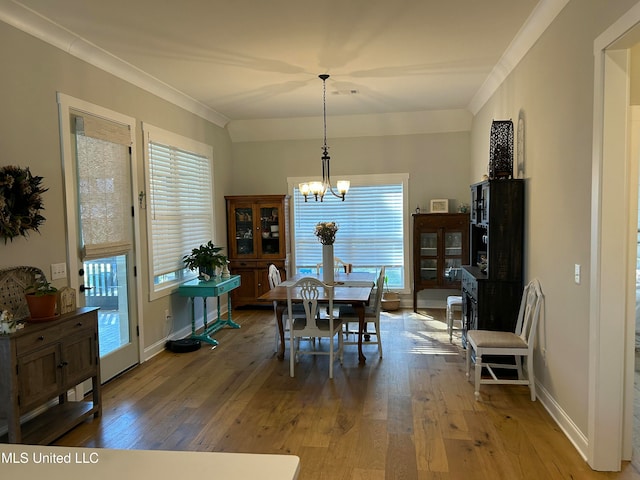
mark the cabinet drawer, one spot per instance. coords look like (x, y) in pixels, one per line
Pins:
(53, 332)
(30, 341)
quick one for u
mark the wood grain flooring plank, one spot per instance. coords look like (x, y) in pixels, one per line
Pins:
(411, 415)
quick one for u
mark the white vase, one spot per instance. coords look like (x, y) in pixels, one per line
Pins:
(327, 264)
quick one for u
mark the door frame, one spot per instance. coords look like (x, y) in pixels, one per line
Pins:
(612, 294)
(65, 104)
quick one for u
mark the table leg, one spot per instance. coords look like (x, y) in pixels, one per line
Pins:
(205, 334)
(359, 309)
(193, 316)
(280, 308)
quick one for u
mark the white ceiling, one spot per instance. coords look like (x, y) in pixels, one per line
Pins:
(257, 59)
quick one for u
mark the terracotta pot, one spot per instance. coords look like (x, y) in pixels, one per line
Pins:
(41, 306)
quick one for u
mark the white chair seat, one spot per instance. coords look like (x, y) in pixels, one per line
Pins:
(490, 339)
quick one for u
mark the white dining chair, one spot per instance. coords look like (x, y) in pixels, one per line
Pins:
(339, 266)
(314, 323)
(518, 344)
(372, 313)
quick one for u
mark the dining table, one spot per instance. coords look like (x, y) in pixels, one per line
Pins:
(352, 288)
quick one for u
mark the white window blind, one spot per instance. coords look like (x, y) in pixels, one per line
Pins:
(104, 186)
(180, 210)
(371, 229)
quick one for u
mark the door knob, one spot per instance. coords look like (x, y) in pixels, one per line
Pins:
(83, 288)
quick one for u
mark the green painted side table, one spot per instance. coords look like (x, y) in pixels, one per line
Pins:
(212, 288)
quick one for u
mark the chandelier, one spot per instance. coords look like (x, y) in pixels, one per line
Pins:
(318, 189)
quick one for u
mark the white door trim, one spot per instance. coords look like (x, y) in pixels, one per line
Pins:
(65, 104)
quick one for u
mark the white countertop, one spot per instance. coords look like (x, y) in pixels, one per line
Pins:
(28, 462)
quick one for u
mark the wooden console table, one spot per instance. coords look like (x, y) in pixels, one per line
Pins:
(212, 288)
(43, 361)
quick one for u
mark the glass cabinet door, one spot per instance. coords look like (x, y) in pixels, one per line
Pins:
(270, 230)
(452, 256)
(429, 256)
(243, 231)
(484, 202)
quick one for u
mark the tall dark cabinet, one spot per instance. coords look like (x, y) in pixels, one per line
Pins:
(491, 297)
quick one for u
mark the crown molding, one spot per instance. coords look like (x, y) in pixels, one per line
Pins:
(541, 17)
(44, 29)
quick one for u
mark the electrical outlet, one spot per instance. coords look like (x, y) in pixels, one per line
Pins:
(576, 273)
(58, 270)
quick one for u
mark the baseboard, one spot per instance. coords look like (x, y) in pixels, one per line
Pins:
(159, 346)
(568, 427)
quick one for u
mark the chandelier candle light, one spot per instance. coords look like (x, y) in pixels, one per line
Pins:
(318, 189)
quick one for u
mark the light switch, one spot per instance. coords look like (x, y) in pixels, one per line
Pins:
(576, 274)
(58, 270)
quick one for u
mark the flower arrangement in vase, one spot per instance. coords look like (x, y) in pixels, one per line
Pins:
(326, 232)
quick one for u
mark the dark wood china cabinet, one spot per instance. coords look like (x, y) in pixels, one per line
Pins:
(491, 296)
(440, 248)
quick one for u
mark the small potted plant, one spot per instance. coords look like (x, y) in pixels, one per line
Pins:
(41, 298)
(390, 300)
(206, 259)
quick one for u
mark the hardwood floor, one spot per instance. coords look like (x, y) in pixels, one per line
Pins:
(411, 415)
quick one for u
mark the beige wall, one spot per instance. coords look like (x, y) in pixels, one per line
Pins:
(438, 164)
(32, 73)
(552, 89)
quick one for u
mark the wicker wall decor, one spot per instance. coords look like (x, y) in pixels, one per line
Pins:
(13, 282)
(501, 149)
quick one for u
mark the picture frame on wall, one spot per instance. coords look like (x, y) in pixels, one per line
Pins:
(439, 205)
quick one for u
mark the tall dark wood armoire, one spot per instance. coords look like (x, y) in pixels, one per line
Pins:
(491, 297)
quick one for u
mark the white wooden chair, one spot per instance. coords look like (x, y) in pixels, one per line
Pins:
(454, 303)
(275, 279)
(314, 295)
(338, 265)
(519, 343)
(371, 315)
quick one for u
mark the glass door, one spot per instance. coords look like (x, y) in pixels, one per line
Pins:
(105, 246)
(242, 230)
(429, 257)
(452, 257)
(271, 244)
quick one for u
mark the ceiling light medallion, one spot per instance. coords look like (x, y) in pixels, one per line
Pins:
(318, 189)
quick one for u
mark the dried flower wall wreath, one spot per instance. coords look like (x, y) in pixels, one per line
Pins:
(20, 202)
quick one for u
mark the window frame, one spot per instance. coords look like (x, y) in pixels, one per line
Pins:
(371, 180)
(153, 134)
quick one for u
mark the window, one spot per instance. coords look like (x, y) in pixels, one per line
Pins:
(372, 221)
(180, 206)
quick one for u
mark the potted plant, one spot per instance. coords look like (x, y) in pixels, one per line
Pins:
(390, 300)
(206, 259)
(41, 298)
